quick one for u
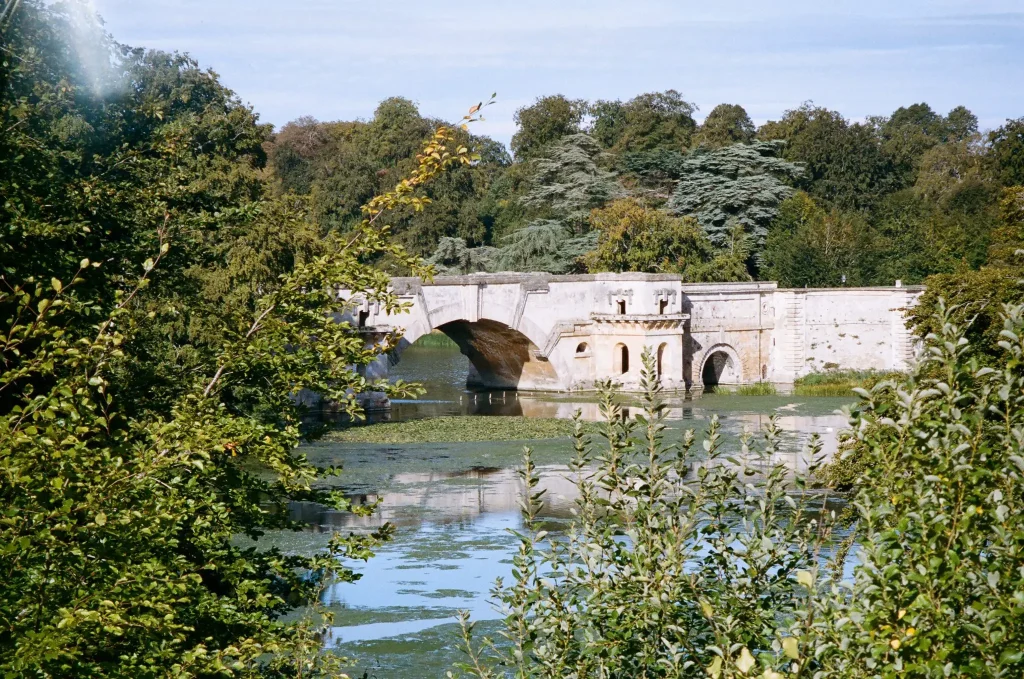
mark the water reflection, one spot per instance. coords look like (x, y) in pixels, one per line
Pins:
(454, 504)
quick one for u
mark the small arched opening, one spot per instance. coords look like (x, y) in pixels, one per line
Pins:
(661, 358)
(621, 359)
(719, 368)
(582, 348)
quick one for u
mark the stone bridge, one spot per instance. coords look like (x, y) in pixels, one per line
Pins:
(559, 333)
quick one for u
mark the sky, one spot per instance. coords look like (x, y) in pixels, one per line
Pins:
(336, 59)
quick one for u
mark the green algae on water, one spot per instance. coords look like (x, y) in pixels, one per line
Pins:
(456, 429)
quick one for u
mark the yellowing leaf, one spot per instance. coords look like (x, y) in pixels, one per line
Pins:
(746, 661)
(805, 578)
(791, 647)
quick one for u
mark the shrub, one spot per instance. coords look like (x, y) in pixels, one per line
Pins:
(676, 564)
(119, 523)
(683, 566)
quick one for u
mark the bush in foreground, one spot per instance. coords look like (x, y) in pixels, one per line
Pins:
(684, 565)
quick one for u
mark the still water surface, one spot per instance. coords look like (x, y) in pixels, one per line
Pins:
(454, 503)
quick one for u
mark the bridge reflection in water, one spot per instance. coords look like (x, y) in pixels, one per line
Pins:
(409, 498)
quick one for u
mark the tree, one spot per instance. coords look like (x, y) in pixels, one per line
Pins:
(947, 171)
(568, 182)
(843, 162)
(808, 246)
(149, 361)
(726, 124)
(543, 245)
(633, 237)
(357, 159)
(655, 120)
(544, 122)
(293, 151)
(454, 258)
(1006, 152)
(974, 300)
(912, 130)
(740, 184)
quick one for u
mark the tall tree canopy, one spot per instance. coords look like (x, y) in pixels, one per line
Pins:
(338, 166)
(568, 182)
(740, 185)
(656, 120)
(546, 121)
(1007, 152)
(843, 162)
(726, 124)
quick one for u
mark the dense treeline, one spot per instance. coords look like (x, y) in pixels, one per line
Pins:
(811, 199)
(168, 278)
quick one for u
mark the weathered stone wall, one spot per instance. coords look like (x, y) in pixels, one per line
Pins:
(542, 332)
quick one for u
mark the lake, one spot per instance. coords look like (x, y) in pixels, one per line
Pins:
(454, 503)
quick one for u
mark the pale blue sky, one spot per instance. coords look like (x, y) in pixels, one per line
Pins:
(335, 59)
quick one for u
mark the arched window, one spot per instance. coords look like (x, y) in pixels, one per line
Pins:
(582, 348)
(621, 358)
(662, 306)
(661, 359)
(621, 304)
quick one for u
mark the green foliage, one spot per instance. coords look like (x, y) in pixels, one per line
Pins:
(742, 184)
(568, 182)
(726, 124)
(974, 299)
(565, 185)
(453, 258)
(1007, 152)
(436, 339)
(843, 163)
(543, 245)
(161, 309)
(940, 518)
(544, 122)
(655, 120)
(634, 237)
(338, 166)
(678, 565)
(910, 131)
(809, 247)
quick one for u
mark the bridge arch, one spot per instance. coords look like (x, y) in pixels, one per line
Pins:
(500, 356)
(720, 365)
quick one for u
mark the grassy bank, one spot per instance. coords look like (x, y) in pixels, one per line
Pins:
(841, 382)
(436, 340)
(454, 429)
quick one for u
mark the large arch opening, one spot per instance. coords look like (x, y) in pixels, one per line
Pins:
(661, 358)
(719, 368)
(499, 356)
